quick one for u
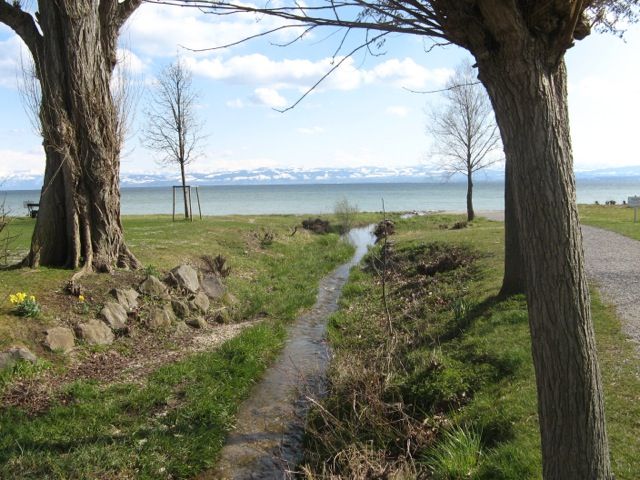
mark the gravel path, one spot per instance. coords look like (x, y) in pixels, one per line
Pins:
(613, 263)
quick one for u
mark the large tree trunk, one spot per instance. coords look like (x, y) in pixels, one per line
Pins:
(79, 219)
(513, 280)
(529, 95)
(470, 213)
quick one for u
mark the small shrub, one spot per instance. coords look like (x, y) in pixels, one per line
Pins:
(216, 265)
(460, 225)
(316, 225)
(385, 228)
(151, 271)
(345, 213)
(265, 237)
(461, 309)
(24, 305)
(82, 306)
(457, 455)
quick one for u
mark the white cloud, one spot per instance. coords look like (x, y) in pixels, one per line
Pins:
(268, 97)
(235, 103)
(11, 50)
(161, 30)
(310, 130)
(259, 70)
(603, 111)
(130, 61)
(397, 111)
(20, 163)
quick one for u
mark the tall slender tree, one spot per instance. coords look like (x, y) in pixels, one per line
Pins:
(519, 47)
(173, 127)
(73, 44)
(464, 131)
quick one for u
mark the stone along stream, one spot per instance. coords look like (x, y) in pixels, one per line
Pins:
(267, 440)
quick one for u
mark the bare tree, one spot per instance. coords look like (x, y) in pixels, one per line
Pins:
(73, 44)
(465, 132)
(173, 128)
(519, 48)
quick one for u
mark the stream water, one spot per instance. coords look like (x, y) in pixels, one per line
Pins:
(267, 440)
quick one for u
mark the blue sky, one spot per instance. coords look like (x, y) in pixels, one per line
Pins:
(363, 115)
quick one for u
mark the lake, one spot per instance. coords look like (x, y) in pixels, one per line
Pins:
(321, 198)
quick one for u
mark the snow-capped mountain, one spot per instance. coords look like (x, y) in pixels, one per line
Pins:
(281, 176)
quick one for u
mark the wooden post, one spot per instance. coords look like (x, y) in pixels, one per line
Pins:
(635, 203)
(174, 204)
(198, 197)
(190, 207)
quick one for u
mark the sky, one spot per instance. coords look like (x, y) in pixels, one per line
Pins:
(364, 114)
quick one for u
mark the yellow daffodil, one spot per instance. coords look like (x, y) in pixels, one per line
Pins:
(81, 298)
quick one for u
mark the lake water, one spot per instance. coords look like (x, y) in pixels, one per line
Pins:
(312, 199)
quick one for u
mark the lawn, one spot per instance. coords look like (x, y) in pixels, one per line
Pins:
(444, 385)
(172, 422)
(617, 218)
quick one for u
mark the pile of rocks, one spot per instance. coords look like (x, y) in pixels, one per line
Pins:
(184, 296)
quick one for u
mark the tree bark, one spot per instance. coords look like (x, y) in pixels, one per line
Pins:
(513, 280)
(79, 220)
(470, 213)
(530, 100)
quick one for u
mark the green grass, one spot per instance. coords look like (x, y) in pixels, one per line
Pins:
(175, 423)
(172, 427)
(617, 218)
(462, 363)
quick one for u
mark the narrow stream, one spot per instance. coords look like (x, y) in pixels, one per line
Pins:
(267, 440)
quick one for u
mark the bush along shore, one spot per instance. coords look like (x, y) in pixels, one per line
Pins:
(155, 400)
(432, 374)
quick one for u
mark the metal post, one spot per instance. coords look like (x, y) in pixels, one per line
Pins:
(190, 209)
(635, 214)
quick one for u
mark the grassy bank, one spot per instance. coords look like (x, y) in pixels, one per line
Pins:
(443, 387)
(616, 218)
(171, 422)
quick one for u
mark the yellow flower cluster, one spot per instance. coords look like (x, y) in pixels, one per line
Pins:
(20, 297)
(81, 298)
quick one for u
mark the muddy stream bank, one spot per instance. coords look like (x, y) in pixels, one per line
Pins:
(267, 440)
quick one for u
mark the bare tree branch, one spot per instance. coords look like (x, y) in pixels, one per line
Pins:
(22, 23)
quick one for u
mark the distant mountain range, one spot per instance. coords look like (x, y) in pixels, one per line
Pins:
(282, 176)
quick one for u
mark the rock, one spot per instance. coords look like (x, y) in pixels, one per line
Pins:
(59, 339)
(115, 315)
(200, 302)
(160, 318)
(212, 287)
(196, 322)
(10, 357)
(180, 308)
(95, 332)
(154, 288)
(222, 315)
(185, 277)
(128, 297)
(230, 300)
